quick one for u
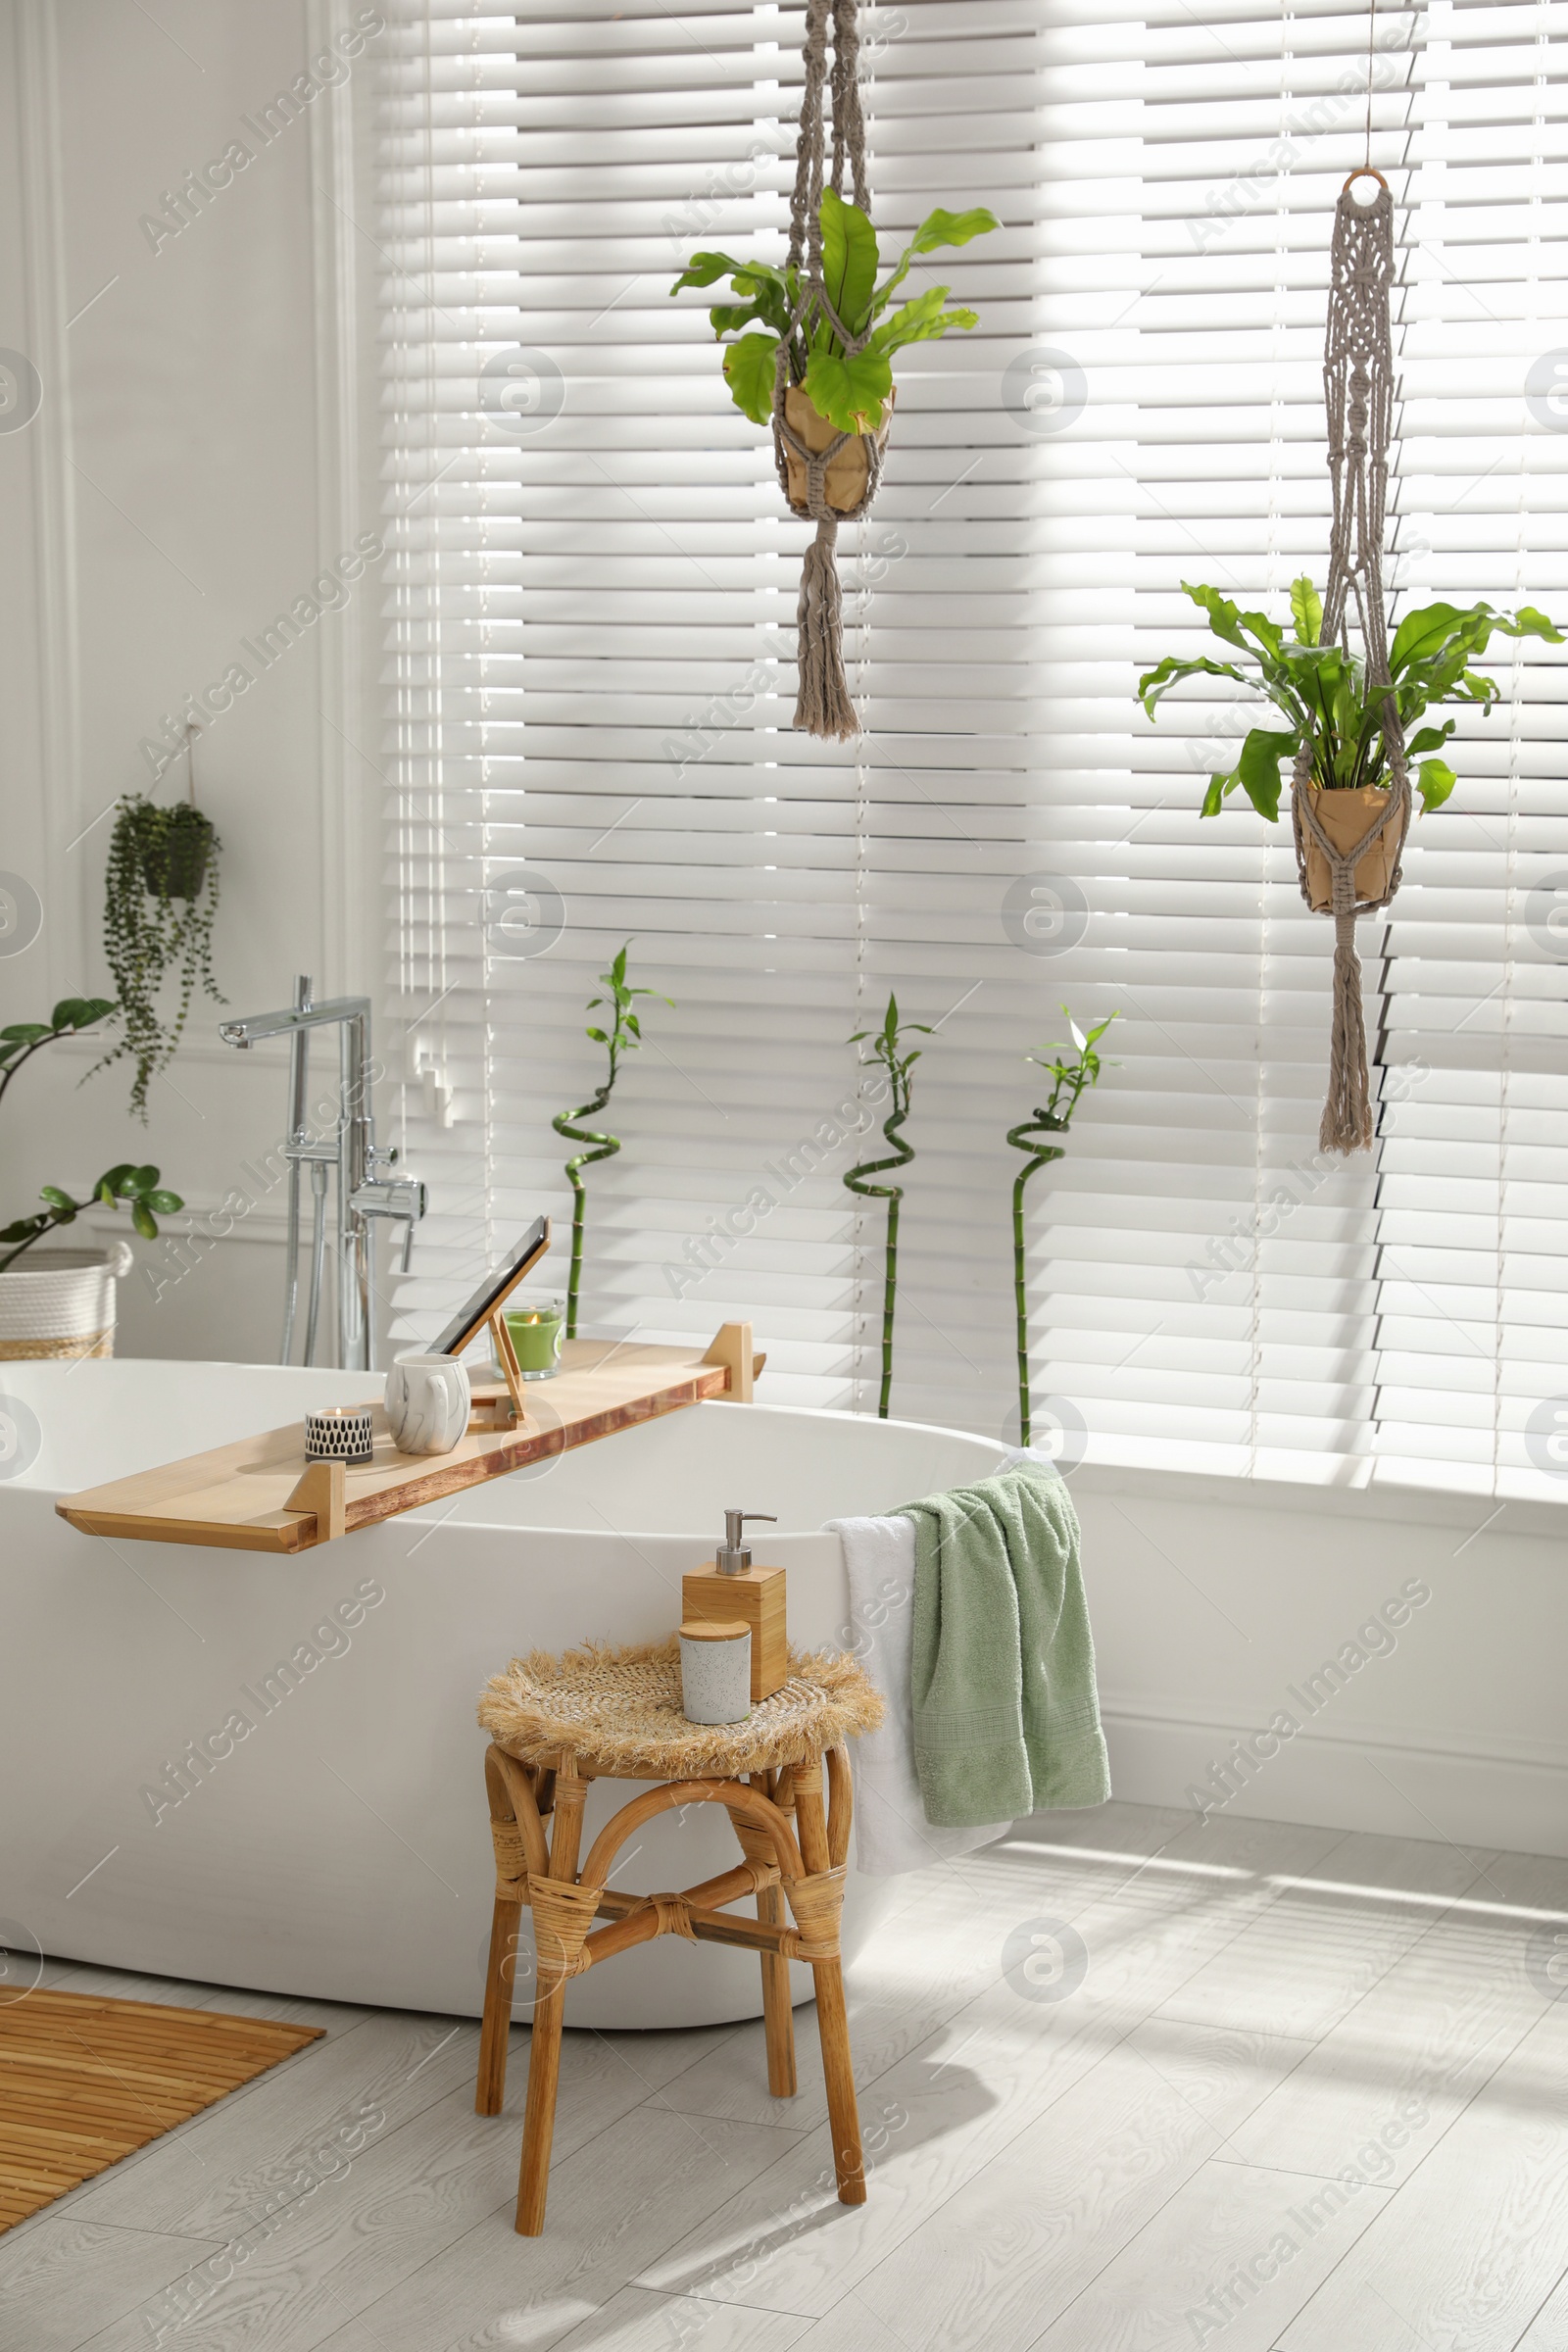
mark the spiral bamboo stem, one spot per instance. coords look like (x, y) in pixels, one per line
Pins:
(609, 1145)
(1041, 1154)
(893, 1195)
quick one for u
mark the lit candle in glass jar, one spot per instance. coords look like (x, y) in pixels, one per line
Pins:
(535, 1333)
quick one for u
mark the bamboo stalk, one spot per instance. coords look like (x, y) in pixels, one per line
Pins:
(609, 1146)
(1069, 1079)
(901, 1155)
(1041, 1156)
(623, 1036)
(893, 1195)
(889, 1292)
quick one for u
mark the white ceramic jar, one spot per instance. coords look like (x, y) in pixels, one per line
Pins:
(427, 1402)
(715, 1672)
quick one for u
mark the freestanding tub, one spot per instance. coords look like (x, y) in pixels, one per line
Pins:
(252, 1769)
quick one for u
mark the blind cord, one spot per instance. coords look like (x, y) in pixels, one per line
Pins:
(1371, 31)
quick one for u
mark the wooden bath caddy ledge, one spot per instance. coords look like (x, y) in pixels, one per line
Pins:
(261, 1495)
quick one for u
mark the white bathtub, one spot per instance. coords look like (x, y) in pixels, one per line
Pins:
(339, 1847)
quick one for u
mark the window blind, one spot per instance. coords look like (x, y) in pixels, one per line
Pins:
(589, 674)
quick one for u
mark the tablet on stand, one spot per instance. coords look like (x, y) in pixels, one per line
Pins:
(486, 1305)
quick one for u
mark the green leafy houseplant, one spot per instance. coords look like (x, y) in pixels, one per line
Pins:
(161, 897)
(623, 1036)
(849, 388)
(887, 1049)
(136, 1187)
(1068, 1080)
(1322, 692)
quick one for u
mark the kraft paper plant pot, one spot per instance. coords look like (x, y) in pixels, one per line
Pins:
(1344, 818)
(846, 474)
(61, 1303)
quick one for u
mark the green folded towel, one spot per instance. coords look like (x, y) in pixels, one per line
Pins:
(1007, 1717)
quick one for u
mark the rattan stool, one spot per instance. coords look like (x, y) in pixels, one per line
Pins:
(601, 1714)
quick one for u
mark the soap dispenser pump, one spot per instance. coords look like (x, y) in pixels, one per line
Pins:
(732, 1588)
(733, 1555)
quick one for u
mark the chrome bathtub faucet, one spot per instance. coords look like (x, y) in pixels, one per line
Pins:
(366, 1190)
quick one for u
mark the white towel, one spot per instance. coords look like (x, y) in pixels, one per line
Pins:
(891, 1830)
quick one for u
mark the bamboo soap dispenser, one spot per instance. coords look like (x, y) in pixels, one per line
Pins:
(734, 1589)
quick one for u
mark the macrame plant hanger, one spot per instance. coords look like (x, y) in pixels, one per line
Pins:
(834, 482)
(1347, 868)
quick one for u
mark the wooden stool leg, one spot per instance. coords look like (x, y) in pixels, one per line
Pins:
(539, 2122)
(498, 1980)
(544, 2047)
(838, 2072)
(520, 1846)
(778, 2014)
(832, 2018)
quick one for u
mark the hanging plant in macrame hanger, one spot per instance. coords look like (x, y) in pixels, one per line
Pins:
(1349, 715)
(1348, 843)
(820, 370)
(825, 475)
(1351, 801)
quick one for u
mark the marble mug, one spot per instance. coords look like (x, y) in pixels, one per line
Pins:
(427, 1402)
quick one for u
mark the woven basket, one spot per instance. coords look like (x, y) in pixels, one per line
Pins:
(1344, 818)
(61, 1303)
(846, 476)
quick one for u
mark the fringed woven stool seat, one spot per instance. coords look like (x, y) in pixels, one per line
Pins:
(555, 1724)
(621, 1708)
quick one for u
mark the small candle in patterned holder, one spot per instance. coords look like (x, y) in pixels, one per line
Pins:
(339, 1432)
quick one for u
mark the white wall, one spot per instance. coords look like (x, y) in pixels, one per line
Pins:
(1216, 1601)
(181, 483)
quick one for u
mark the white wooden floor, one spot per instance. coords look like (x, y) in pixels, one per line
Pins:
(1128, 2083)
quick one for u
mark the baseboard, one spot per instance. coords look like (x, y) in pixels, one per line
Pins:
(1512, 1793)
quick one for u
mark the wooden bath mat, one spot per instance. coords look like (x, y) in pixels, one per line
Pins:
(84, 2080)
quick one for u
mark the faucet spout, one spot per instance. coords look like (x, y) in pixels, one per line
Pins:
(257, 1027)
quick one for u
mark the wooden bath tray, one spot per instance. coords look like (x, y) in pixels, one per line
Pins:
(238, 1496)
